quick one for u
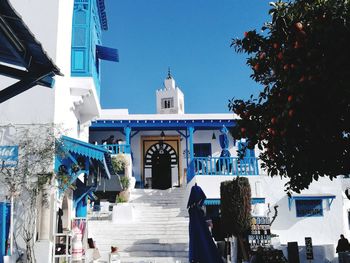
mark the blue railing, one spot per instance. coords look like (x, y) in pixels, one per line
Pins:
(117, 148)
(222, 166)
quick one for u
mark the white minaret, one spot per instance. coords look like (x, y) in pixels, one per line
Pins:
(170, 100)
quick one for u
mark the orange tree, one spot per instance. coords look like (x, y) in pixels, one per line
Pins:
(301, 118)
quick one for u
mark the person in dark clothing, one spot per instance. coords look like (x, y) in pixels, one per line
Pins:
(343, 244)
(342, 247)
(59, 223)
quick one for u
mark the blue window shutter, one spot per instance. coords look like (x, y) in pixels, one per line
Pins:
(79, 36)
(78, 60)
(106, 53)
(80, 17)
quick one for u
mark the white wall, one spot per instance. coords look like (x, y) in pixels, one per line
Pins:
(41, 17)
(177, 96)
(25, 108)
(51, 24)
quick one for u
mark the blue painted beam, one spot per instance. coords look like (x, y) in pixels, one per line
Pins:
(253, 201)
(187, 160)
(182, 134)
(23, 85)
(191, 131)
(190, 169)
(132, 135)
(81, 210)
(127, 131)
(161, 124)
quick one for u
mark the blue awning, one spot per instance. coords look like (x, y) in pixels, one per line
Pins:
(84, 148)
(328, 197)
(254, 200)
(107, 53)
(22, 56)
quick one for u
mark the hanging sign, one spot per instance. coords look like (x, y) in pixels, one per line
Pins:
(8, 156)
(309, 250)
(260, 233)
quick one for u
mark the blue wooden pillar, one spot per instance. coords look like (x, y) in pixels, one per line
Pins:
(191, 131)
(187, 162)
(127, 131)
(190, 169)
(81, 209)
(2, 231)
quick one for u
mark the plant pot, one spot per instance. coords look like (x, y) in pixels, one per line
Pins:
(125, 194)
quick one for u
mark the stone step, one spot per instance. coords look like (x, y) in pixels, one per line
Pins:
(176, 254)
(138, 229)
(131, 241)
(143, 238)
(139, 198)
(149, 260)
(137, 226)
(147, 247)
(162, 204)
(157, 233)
(154, 260)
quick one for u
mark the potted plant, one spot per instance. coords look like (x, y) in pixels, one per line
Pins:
(119, 162)
(120, 199)
(125, 193)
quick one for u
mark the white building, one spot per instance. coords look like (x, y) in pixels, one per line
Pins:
(50, 73)
(172, 148)
(50, 57)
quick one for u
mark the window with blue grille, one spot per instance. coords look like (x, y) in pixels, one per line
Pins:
(86, 34)
(309, 208)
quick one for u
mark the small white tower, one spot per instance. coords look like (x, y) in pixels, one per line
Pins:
(170, 100)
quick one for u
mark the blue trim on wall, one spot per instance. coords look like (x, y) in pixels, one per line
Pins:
(254, 200)
(161, 124)
(328, 198)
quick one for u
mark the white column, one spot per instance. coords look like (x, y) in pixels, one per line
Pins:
(45, 221)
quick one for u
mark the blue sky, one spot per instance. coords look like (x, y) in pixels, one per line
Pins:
(192, 37)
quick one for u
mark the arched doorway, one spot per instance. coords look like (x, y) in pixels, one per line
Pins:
(160, 158)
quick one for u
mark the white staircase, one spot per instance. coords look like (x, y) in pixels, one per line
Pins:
(158, 233)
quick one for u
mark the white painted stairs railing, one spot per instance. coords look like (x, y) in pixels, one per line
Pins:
(158, 233)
